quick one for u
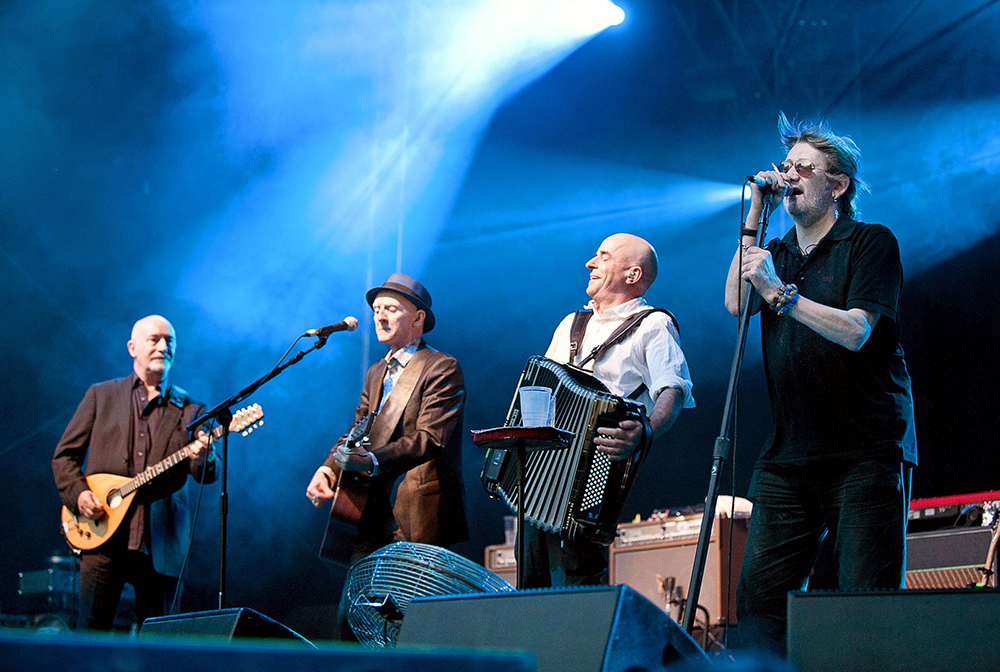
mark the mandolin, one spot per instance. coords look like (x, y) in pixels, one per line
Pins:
(116, 492)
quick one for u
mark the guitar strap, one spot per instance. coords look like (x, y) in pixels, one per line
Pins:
(392, 410)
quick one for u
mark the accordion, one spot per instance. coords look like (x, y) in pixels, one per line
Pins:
(577, 493)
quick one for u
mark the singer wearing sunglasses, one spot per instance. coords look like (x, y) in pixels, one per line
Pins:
(836, 468)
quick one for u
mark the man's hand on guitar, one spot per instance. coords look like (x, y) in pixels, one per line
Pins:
(89, 505)
(620, 442)
(200, 449)
(321, 486)
(353, 460)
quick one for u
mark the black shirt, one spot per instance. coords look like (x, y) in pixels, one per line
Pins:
(146, 416)
(828, 402)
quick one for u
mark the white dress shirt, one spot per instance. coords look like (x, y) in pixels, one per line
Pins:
(650, 354)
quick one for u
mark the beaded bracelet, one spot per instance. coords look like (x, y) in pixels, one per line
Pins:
(788, 296)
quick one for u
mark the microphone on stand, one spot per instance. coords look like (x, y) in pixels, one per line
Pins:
(780, 192)
(347, 324)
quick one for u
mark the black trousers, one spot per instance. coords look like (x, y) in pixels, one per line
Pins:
(861, 506)
(552, 562)
(104, 572)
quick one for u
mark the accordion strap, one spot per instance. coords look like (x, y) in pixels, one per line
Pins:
(581, 319)
(576, 332)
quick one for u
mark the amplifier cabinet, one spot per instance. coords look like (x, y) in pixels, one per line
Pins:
(667, 548)
(947, 558)
(502, 560)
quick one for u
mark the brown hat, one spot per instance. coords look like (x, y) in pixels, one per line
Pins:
(409, 289)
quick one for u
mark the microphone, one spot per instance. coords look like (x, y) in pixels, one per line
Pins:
(780, 192)
(348, 324)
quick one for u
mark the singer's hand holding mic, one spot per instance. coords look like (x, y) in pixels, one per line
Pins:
(771, 181)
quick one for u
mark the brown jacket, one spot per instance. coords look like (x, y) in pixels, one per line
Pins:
(426, 449)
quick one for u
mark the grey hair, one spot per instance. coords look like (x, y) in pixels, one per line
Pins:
(840, 151)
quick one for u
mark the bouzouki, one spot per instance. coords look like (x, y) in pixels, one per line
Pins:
(117, 492)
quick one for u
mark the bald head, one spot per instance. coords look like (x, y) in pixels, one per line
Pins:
(637, 253)
(152, 348)
(623, 268)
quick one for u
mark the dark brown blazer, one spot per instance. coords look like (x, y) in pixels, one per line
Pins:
(100, 435)
(426, 450)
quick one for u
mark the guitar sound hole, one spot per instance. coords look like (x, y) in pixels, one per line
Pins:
(114, 499)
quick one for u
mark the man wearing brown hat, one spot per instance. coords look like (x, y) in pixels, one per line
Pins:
(419, 396)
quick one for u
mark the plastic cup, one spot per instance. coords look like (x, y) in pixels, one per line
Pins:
(509, 530)
(534, 405)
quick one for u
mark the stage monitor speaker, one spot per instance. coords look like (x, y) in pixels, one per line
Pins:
(225, 623)
(889, 631)
(590, 629)
(667, 548)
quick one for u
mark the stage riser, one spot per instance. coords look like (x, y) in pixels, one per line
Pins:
(83, 653)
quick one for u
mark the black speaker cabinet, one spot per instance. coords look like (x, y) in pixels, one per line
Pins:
(593, 629)
(225, 623)
(666, 548)
(902, 630)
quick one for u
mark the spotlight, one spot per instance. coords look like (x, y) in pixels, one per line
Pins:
(594, 16)
(615, 14)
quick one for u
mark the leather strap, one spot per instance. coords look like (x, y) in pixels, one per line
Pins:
(576, 332)
(623, 330)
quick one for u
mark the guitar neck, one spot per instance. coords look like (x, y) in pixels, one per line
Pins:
(149, 473)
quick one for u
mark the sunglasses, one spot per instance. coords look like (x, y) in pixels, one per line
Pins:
(804, 167)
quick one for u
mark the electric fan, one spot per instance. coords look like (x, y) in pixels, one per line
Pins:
(381, 586)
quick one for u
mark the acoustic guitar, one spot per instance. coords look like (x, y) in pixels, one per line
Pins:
(116, 492)
(351, 491)
(350, 495)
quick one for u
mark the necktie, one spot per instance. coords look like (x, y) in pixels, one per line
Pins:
(387, 383)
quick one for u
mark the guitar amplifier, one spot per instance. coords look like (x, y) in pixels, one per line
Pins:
(940, 554)
(651, 555)
(948, 558)
(502, 560)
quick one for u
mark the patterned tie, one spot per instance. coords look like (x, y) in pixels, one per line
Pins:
(387, 383)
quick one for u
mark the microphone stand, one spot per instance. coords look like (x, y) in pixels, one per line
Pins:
(224, 415)
(721, 451)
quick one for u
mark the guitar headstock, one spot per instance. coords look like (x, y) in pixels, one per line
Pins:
(358, 433)
(247, 419)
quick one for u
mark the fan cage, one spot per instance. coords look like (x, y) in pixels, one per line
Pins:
(381, 586)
